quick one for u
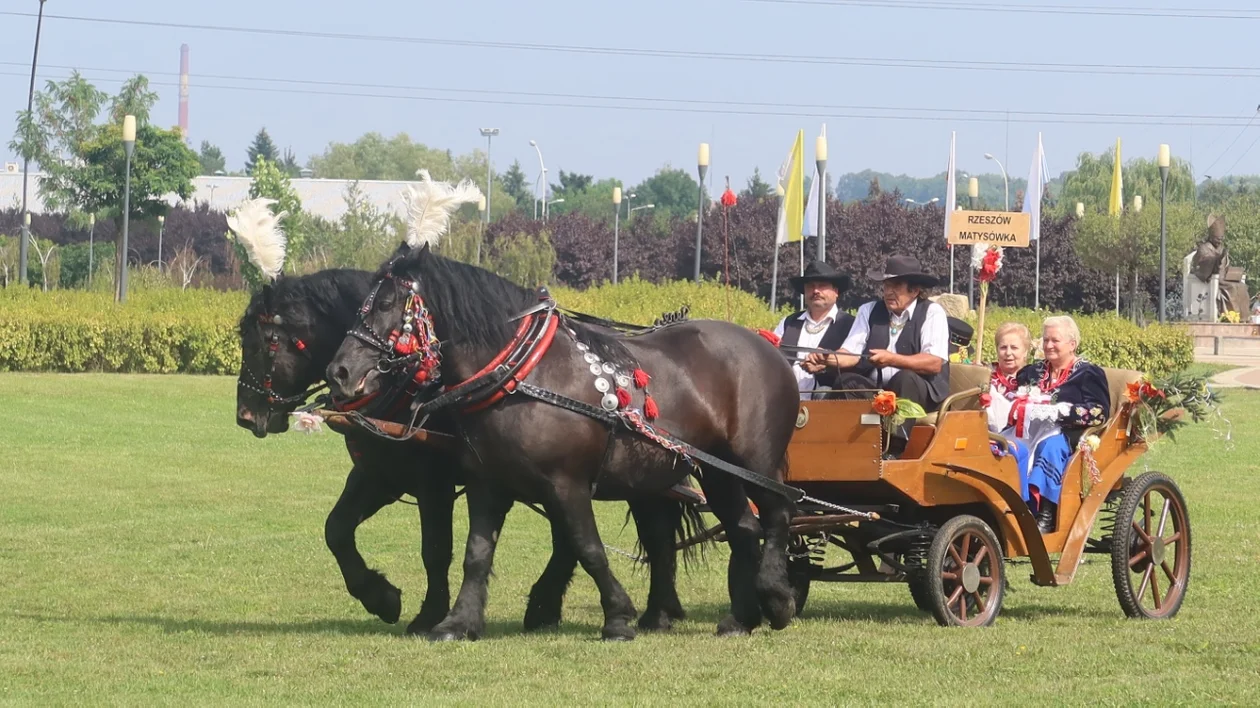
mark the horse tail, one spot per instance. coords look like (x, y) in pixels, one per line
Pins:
(691, 525)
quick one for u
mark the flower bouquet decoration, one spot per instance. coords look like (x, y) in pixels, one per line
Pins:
(894, 411)
(986, 260)
(1161, 408)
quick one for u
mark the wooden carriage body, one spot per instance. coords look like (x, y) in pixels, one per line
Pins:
(949, 466)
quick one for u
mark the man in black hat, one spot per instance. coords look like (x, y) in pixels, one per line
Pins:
(821, 324)
(900, 343)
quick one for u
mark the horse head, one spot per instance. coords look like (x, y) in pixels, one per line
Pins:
(288, 334)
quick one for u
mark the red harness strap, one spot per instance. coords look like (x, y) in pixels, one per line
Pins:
(535, 356)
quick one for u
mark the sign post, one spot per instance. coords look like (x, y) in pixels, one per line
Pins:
(998, 228)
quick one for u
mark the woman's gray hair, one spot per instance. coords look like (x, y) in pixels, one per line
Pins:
(1065, 323)
(1014, 328)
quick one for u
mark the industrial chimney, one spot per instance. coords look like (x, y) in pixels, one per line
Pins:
(183, 90)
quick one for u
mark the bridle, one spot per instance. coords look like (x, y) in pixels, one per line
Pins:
(262, 386)
(411, 353)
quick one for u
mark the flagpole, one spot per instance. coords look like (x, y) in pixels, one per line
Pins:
(774, 280)
(820, 157)
(1037, 278)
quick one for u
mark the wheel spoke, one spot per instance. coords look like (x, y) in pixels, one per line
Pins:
(962, 607)
(986, 581)
(1163, 516)
(980, 554)
(1138, 558)
(966, 546)
(1146, 578)
(953, 553)
(1159, 599)
(1172, 539)
(1146, 537)
(1172, 577)
(981, 605)
(949, 576)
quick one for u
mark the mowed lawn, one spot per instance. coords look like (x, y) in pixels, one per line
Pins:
(153, 553)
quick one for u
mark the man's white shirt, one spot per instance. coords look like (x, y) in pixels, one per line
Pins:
(804, 379)
(933, 339)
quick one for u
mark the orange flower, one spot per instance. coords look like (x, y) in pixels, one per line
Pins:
(1135, 391)
(885, 403)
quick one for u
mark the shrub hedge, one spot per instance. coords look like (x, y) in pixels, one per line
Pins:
(194, 331)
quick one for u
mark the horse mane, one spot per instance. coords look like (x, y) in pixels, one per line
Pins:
(475, 305)
(327, 298)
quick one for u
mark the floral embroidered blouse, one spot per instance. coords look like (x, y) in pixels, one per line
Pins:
(1083, 387)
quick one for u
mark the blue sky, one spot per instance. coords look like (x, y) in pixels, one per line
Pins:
(632, 143)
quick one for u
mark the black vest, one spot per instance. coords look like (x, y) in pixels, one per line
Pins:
(833, 339)
(908, 344)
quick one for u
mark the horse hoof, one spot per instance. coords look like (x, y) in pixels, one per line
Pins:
(540, 620)
(618, 633)
(730, 627)
(426, 620)
(382, 599)
(541, 627)
(444, 637)
(656, 621)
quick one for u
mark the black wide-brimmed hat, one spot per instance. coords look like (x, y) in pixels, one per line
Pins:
(906, 268)
(818, 271)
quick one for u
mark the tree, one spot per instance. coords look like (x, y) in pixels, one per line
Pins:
(595, 201)
(571, 183)
(1130, 244)
(135, 98)
(161, 164)
(270, 182)
(514, 185)
(673, 191)
(1090, 182)
(757, 187)
(262, 147)
(289, 164)
(212, 160)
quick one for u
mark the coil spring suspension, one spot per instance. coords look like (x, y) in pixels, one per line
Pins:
(1107, 519)
(917, 553)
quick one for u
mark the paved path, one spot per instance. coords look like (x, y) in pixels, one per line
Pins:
(1244, 377)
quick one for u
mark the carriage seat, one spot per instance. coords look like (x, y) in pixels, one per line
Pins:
(962, 378)
(1118, 381)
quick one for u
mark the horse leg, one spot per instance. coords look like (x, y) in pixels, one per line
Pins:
(728, 502)
(487, 509)
(435, 497)
(364, 494)
(546, 598)
(773, 589)
(656, 520)
(572, 506)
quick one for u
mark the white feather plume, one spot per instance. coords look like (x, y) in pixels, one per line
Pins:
(260, 233)
(430, 206)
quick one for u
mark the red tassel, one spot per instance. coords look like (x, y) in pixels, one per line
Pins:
(769, 336)
(405, 345)
(641, 378)
(649, 408)
(623, 397)
(300, 345)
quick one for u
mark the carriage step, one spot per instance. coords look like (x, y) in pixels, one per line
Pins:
(684, 493)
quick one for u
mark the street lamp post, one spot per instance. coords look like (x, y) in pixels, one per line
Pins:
(547, 207)
(24, 242)
(161, 228)
(482, 206)
(933, 200)
(91, 247)
(616, 228)
(702, 167)
(820, 158)
(488, 134)
(129, 146)
(1164, 164)
(542, 180)
(973, 197)
(1006, 183)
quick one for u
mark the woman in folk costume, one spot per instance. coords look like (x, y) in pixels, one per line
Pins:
(821, 325)
(1057, 399)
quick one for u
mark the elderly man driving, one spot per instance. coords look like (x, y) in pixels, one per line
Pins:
(899, 343)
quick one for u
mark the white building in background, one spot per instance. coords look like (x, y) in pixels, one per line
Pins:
(322, 197)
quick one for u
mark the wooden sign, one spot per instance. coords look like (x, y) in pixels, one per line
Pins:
(1000, 228)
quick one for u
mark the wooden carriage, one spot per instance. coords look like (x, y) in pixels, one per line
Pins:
(946, 515)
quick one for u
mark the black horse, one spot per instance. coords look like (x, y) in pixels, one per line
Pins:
(289, 333)
(719, 387)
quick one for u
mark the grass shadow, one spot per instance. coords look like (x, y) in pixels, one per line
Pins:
(172, 625)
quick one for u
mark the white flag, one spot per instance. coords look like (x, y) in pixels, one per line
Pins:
(1037, 178)
(951, 184)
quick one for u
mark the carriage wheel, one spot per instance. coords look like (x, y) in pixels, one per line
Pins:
(799, 571)
(921, 592)
(965, 578)
(1150, 551)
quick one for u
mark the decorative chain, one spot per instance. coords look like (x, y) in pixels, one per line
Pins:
(836, 507)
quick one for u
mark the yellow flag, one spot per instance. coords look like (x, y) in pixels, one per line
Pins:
(792, 220)
(1116, 204)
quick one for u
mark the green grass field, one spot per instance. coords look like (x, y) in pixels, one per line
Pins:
(153, 553)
